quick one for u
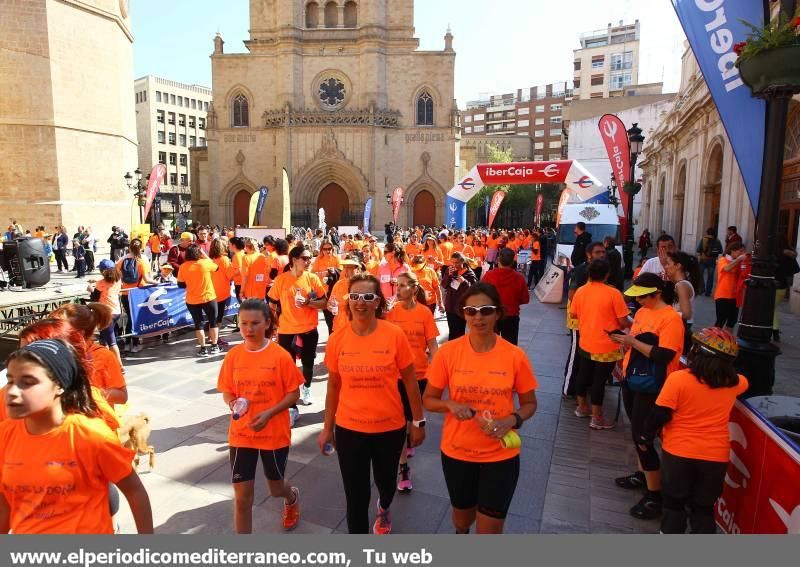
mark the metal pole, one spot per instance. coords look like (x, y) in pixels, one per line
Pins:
(628, 251)
(757, 352)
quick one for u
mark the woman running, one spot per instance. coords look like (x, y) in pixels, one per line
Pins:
(322, 265)
(693, 409)
(106, 371)
(58, 457)
(416, 321)
(480, 452)
(655, 344)
(201, 299)
(300, 295)
(363, 404)
(431, 252)
(429, 283)
(221, 280)
(259, 382)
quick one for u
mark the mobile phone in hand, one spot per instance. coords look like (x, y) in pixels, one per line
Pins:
(615, 332)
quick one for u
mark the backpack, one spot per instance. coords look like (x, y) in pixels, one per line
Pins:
(130, 271)
(643, 375)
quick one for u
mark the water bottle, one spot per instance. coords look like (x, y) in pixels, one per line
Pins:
(240, 407)
(333, 306)
(298, 298)
(328, 449)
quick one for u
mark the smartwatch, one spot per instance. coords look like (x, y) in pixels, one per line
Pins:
(419, 423)
(519, 422)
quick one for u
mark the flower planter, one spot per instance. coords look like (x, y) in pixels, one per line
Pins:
(773, 72)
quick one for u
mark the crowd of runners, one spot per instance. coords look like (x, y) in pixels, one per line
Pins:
(386, 369)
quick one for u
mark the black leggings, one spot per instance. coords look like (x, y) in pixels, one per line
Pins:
(307, 353)
(61, 258)
(221, 306)
(328, 320)
(638, 407)
(508, 328)
(727, 313)
(592, 378)
(197, 310)
(357, 451)
(535, 272)
(456, 325)
(694, 484)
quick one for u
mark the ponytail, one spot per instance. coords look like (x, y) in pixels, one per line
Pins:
(86, 319)
(668, 294)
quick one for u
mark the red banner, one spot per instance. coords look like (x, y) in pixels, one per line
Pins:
(539, 201)
(397, 200)
(615, 138)
(153, 184)
(760, 494)
(524, 172)
(494, 206)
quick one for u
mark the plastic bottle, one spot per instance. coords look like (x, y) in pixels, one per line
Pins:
(328, 449)
(299, 298)
(240, 407)
(333, 306)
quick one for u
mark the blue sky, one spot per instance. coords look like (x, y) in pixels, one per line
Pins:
(500, 46)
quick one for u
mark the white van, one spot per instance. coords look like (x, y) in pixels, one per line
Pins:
(601, 221)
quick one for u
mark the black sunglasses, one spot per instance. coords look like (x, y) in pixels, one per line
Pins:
(484, 310)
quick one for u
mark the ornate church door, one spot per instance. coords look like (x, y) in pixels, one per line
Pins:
(241, 208)
(335, 202)
(424, 209)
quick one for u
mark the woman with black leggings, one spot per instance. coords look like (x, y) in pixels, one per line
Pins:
(201, 299)
(655, 344)
(363, 409)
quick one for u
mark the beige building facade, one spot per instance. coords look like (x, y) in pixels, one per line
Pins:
(170, 119)
(338, 94)
(607, 61)
(67, 123)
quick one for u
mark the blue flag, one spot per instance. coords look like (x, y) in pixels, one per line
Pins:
(262, 198)
(367, 214)
(713, 27)
(486, 208)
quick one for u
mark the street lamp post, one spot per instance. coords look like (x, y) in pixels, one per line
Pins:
(632, 188)
(138, 185)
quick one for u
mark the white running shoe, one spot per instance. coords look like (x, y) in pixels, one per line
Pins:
(294, 414)
(305, 395)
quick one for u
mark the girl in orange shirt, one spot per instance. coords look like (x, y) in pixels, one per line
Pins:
(479, 255)
(221, 279)
(322, 266)
(693, 409)
(411, 315)
(481, 372)
(429, 283)
(106, 371)
(370, 263)
(237, 248)
(201, 299)
(259, 382)
(337, 304)
(58, 457)
(364, 407)
(657, 339)
(728, 271)
(433, 256)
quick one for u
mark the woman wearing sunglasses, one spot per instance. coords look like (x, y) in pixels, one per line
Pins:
(481, 372)
(363, 408)
(416, 321)
(300, 295)
(654, 348)
(394, 264)
(322, 265)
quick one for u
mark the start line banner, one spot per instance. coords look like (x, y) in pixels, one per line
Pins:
(162, 308)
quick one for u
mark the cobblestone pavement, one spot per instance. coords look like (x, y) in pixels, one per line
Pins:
(566, 483)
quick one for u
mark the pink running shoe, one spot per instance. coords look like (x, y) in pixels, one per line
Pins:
(404, 485)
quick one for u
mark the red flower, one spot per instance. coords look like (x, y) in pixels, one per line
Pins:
(739, 47)
(796, 22)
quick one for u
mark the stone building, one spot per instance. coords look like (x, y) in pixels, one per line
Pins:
(339, 95)
(67, 122)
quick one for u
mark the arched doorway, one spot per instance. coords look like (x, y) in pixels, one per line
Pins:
(658, 226)
(680, 196)
(241, 208)
(424, 209)
(335, 202)
(712, 190)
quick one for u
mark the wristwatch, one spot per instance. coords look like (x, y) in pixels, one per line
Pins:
(419, 423)
(519, 422)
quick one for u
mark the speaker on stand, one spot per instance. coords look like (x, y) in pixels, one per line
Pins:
(26, 263)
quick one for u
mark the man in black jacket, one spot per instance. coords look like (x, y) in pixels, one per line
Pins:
(118, 241)
(582, 239)
(616, 277)
(457, 278)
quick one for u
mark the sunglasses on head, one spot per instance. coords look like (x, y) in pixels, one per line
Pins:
(484, 310)
(362, 296)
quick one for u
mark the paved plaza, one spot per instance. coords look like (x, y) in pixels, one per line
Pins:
(566, 483)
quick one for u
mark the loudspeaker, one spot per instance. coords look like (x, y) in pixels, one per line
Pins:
(26, 262)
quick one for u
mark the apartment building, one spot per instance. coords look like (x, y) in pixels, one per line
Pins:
(536, 112)
(170, 119)
(607, 61)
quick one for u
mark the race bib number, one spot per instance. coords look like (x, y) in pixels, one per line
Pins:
(455, 284)
(259, 277)
(385, 278)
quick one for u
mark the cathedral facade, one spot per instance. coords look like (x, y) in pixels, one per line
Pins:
(338, 94)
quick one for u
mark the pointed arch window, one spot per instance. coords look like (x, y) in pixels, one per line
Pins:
(424, 109)
(241, 111)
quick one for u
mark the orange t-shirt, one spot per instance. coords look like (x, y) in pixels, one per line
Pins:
(445, 251)
(465, 249)
(142, 267)
(339, 292)
(58, 482)
(433, 258)
(106, 370)
(726, 281)
(419, 327)
(479, 253)
(598, 307)
(369, 367)
(155, 244)
(109, 294)
(236, 265)
(412, 250)
(257, 278)
(484, 381)
(221, 279)
(247, 261)
(536, 251)
(323, 263)
(263, 377)
(372, 267)
(296, 320)
(429, 282)
(667, 325)
(196, 274)
(492, 243)
(279, 262)
(699, 425)
(377, 252)
(3, 410)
